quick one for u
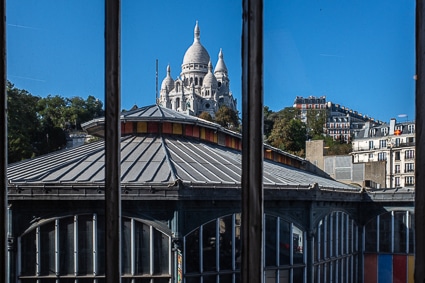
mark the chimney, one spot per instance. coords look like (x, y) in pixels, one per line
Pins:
(392, 126)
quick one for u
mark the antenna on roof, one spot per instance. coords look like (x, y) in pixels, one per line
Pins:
(156, 77)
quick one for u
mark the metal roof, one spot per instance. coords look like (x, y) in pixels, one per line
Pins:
(155, 159)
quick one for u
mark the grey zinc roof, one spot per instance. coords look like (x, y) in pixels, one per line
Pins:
(157, 160)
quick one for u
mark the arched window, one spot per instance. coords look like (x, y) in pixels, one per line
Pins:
(73, 247)
(212, 251)
(336, 249)
(196, 80)
(177, 87)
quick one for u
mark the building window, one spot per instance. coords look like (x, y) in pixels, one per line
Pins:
(397, 181)
(411, 128)
(370, 144)
(370, 156)
(383, 143)
(397, 142)
(382, 156)
(409, 181)
(409, 154)
(397, 168)
(409, 167)
(72, 248)
(397, 155)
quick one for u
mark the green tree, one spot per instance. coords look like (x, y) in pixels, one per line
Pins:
(206, 116)
(316, 120)
(289, 136)
(227, 118)
(337, 147)
(22, 123)
(40, 125)
(52, 108)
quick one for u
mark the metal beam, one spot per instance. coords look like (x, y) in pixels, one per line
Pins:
(3, 147)
(420, 144)
(252, 142)
(112, 142)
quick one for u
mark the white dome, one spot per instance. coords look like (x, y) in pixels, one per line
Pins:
(196, 53)
(210, 80)
(168, 82)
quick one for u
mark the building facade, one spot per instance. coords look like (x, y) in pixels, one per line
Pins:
(393, 143)
(199, 88)
(341, 123)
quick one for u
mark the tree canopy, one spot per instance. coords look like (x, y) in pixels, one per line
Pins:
(40, 125)
(284, 129)
(227, 118)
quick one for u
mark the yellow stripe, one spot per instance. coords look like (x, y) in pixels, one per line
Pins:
(142, 127)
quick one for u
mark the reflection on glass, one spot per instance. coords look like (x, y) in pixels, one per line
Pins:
(370, 236)
(400, 230)
(47, 249)
(66, 245)
(209, 246)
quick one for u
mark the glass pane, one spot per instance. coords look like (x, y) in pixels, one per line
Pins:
(142, 248)
(328, 223)
(370, 236)
(226, 242)
(161, 253)
(298, 243)
(100, 245)
(192, 279)
(210, 279)
(411, 227)
(385, 233)
(321, 247)
(126, 246)
(270, 276)
(400, 229)
(28, 251)
(47, 248)
(284, 243)
(270, 240)
(192, 252)
(226, 278)
(66, 246)
(237, 241)
(85, 244)
(298, 275)
(208, 246)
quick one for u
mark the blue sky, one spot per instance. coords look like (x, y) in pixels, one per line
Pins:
(358, 53)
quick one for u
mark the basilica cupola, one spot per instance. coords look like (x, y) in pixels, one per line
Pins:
(196, 58)
(168, 83)
(210, 81)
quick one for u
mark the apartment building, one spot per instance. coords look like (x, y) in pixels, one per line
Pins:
(393, 143)
(341, 122)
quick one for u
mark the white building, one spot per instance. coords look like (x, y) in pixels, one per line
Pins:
(393, 143)
(198, 88)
